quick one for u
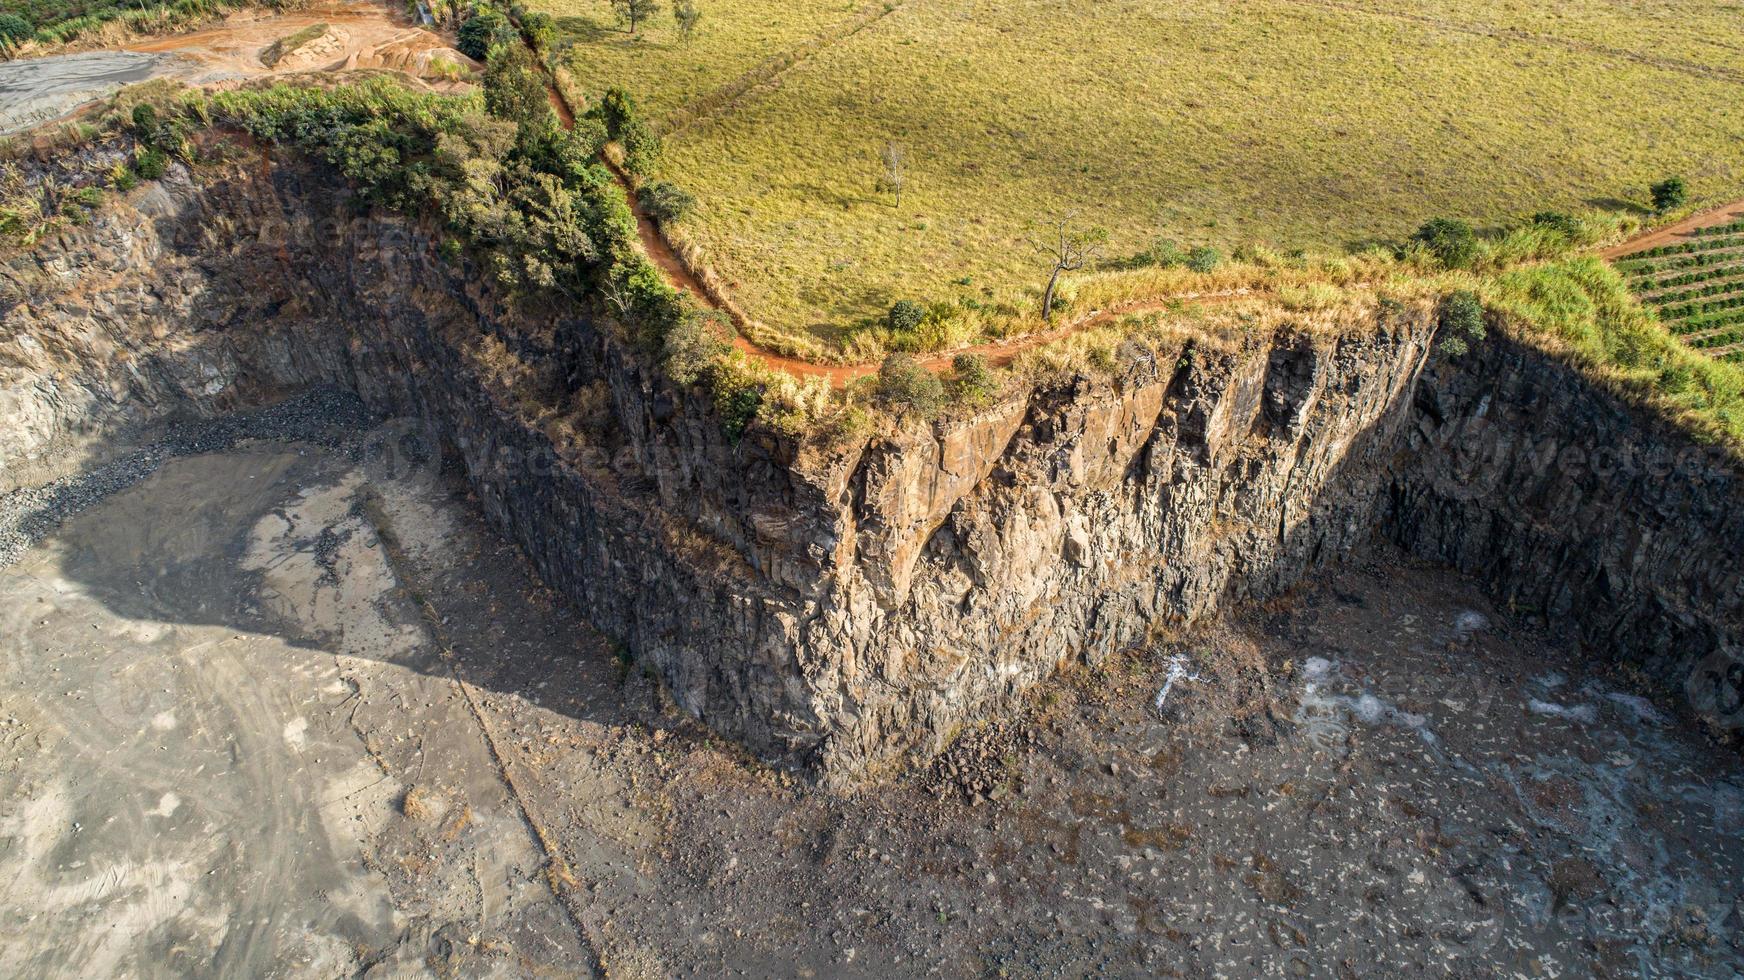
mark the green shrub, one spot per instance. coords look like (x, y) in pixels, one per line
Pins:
(694, 346)
(1204, 258)
(1669, 193)
(1562, 223)
(905, 316)
(904, 385)
(540, 30)
(617, 109)
(14, 28)
(1165, 253)
(1451, 241)
(1462, 322)
(151, 164)
(972, 381)
(737, 399)
(642, 148)
(483, 31)
(665, 202)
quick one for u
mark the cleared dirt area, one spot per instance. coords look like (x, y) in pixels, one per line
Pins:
(1678, 233)
(337, 37)
(356, 35)
(290, 709)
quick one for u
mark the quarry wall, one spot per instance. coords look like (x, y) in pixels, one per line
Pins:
(841, 610)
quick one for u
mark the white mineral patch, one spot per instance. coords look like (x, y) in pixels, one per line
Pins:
(1586, 714)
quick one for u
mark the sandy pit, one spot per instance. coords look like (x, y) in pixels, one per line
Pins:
(351, 36)
(290, 709)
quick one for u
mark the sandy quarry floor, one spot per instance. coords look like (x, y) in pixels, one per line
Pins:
(360, 35)
(290, 709)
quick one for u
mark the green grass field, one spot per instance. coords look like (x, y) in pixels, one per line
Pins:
(1295, 123)
(1697, 287)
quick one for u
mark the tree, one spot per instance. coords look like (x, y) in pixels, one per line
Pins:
(514, 91)
(687, 15)
(484, 31)
(1069, 246)
(540, 29)
(1669, 193)
(1450, 240)
(895, 170)
(633, 12)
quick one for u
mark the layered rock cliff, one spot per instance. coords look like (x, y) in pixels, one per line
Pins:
(834, 610)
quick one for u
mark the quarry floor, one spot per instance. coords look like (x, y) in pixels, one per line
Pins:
(289, 708)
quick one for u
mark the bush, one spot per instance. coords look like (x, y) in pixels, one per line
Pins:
(695, 344)
(1165, 253)
(483, 31)
(905, 316)
(540, 29)
(642, 148)
(737, 399)
(904, 385)
(1462, 323)
(1204, 258)
(617, 109)
(664, 202)
(972, 381)
(1450, 240)
(1566, 225)
(14, 28)
(1669, 193)
(151, 164)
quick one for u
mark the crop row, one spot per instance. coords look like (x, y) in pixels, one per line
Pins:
(1719, 250)
(1686, 278)
(1702, 240)
(1717, 287)
(1725, 339)
(1710, 321)
(1685, 311)
(1719, 229)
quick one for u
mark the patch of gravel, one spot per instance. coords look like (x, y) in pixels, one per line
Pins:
(328, 417)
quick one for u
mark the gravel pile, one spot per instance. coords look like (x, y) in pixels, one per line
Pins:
(329, 417)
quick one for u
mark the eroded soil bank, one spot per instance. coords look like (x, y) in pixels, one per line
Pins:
(292, 708)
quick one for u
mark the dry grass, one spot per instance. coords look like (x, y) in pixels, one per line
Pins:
(1282, 121)
(667, 74)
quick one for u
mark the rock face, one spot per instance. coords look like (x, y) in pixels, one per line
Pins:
(841, 611)
(1585, 510)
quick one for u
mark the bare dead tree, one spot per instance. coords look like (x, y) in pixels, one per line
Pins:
(1068, 245)
(895, 175)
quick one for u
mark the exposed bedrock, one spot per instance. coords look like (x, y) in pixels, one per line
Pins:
(840, 611)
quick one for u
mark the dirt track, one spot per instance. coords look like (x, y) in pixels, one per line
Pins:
(1672, 234)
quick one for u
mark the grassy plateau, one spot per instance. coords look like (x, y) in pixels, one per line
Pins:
(1295, 123)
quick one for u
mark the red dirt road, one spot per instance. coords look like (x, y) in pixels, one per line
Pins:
(1673, 234)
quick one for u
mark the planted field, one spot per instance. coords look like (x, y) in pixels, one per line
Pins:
(1295, 123)
(1697, 287)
